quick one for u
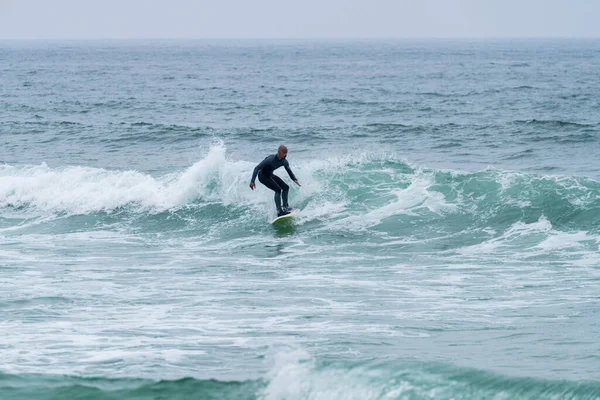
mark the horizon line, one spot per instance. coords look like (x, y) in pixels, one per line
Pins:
(307, 38)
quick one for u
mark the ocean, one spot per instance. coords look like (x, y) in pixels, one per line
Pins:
(447, 245)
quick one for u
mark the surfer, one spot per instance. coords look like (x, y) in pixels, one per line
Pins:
(265, 169)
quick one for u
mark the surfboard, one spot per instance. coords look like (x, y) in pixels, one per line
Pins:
(287, 217)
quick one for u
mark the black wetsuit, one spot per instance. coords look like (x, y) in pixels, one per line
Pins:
(265, 169)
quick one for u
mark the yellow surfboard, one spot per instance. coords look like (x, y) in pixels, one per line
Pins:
(294, 213)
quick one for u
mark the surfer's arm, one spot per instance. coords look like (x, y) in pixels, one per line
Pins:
(289, 171)
(258, 168)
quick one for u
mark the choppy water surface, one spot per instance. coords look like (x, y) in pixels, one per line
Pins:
(448, 244)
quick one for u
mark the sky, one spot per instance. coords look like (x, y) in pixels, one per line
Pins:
(148, 19)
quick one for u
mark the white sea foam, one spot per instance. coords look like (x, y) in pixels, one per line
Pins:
(295, 375)
(41, 190)
(82, 190)
(412, 200)
(518, 230)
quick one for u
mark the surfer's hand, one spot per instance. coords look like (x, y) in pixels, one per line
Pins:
(297, 183)
(252, 185)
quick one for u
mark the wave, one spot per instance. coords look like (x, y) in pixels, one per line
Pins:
(471, 93)
(45, 387)
(84, 190)
(524, 87)
(328, 100)
(299, 377)
(557, 123)
(147, 132)
(42, 123)
(121, 134)
(386, 125)
(567, 139)
(355, 191)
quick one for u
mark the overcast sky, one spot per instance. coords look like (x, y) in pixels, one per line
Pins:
(130, 19)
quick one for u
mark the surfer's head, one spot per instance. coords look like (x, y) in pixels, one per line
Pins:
(281, 152)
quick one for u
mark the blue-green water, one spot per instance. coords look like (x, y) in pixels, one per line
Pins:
(447, 247)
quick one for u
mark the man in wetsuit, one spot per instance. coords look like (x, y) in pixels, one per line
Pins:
(265, 169)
